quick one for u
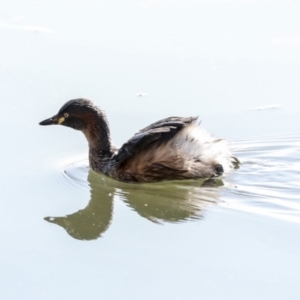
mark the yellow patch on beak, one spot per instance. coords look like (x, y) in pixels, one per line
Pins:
(60, 120)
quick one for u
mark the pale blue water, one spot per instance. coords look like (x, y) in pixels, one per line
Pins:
(70, 233)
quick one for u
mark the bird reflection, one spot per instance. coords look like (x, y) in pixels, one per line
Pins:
(162, 202)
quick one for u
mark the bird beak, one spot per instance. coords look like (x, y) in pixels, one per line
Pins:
(52, 121)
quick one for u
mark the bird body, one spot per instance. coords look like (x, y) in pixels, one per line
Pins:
(169, 149)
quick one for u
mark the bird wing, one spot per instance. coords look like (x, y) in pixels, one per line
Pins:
(158, 132)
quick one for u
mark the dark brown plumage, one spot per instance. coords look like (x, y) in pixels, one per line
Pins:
(169, 149)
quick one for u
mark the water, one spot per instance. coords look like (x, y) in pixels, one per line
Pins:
(70, 233)
(252, 189)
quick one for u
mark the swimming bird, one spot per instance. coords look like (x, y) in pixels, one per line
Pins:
(169, 149)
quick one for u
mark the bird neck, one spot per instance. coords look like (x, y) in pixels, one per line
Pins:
(97, 134)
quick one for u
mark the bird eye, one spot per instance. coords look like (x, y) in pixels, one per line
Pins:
(66, 115)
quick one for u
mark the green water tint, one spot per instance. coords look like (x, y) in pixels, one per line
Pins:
(172, 202)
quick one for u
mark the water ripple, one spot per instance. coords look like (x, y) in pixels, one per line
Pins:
(268, 181)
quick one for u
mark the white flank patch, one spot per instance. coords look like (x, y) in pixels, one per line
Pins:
(197, 143)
